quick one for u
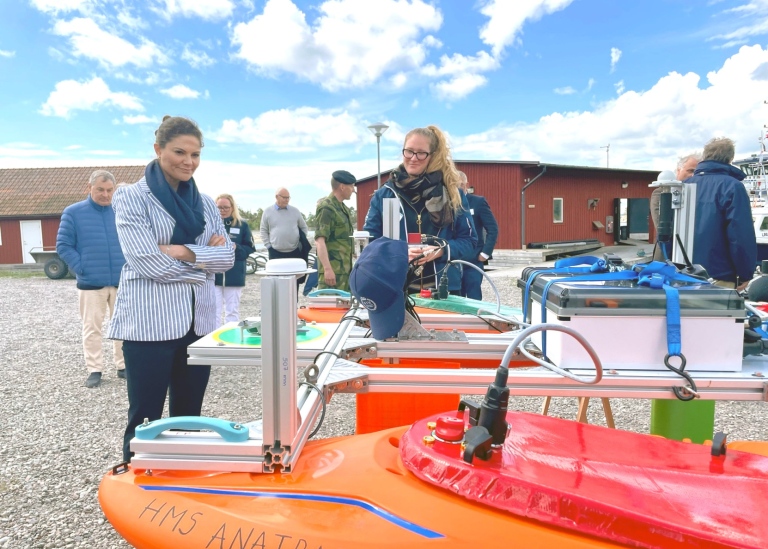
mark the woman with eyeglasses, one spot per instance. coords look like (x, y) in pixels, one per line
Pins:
(229, 285)
(434, 214)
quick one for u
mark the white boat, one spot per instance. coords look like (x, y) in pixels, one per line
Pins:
(756, 180)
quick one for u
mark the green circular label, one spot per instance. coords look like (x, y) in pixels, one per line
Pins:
(235, 336)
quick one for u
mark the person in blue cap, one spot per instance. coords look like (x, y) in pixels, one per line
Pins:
(378, 280)
(333, 233)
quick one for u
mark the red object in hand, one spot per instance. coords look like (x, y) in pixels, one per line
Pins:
(414, 238)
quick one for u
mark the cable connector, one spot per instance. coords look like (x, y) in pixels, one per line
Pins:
(442, 289)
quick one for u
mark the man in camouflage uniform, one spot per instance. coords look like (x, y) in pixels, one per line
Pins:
(332, 236)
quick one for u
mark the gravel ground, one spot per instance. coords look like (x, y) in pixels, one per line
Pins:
(58, 438)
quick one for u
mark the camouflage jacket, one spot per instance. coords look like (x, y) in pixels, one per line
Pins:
(334, 223)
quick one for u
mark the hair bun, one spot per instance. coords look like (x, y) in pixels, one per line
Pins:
(166, 117)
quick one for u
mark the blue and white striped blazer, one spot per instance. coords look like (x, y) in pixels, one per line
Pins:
(155, 296)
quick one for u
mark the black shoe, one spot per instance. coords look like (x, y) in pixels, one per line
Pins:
(121, 373)
(94, 380)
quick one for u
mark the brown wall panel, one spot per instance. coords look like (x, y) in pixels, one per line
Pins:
(10, 251)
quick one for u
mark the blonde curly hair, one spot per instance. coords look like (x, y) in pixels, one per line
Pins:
(440, 161)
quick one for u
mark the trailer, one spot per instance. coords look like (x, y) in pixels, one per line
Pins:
(53, 265)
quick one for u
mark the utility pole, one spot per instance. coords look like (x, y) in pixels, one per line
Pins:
(607, 159)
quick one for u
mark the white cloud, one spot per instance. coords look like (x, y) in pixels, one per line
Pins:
(590, 84)
(567, 90)
(139, 119)
(180, 91)
(71, 95)
(197, 59)
(90, 40)
(291, 130)
(204, 9)
(7, 53)
(399, 80)
(351, 44)
(458, 87)
(462, 74)
(619, 87)
(508, 17)
(415, 104)
(22, 152)
(59, 6)
(750, 19)
(646, 129)
(615, 56)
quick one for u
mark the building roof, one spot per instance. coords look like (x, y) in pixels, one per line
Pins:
(28, 192)
(529, 164)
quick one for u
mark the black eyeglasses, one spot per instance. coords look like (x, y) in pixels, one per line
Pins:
(408, 153)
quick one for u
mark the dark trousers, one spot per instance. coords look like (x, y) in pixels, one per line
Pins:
(471, 281)
(276, 254)
(154, 369)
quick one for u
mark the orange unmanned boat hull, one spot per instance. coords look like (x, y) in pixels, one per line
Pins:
(348, 492)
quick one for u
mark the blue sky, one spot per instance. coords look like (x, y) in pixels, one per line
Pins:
(284, 89)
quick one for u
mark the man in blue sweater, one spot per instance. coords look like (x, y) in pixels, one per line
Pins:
(87, 242)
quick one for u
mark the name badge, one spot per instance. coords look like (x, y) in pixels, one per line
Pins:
(234, 230)
(472, 211)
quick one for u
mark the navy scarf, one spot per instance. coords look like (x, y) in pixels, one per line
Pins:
(184, 205)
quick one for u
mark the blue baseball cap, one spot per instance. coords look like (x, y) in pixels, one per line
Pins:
(377, 281)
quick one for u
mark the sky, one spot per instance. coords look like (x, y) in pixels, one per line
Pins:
(284, 90)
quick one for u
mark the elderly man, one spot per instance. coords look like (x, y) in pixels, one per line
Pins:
(334, 229)
(87, 242)
(283, 230)
(686, 165)
(724, 236)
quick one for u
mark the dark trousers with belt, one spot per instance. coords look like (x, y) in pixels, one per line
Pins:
(154, 369)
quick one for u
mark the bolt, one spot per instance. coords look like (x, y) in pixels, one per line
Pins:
(431, 425)
(428, 440)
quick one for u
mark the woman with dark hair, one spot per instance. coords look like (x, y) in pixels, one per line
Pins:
(174, 242)
(431, 203)
(229, 285)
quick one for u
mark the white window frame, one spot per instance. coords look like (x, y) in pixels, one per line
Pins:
(556, 201)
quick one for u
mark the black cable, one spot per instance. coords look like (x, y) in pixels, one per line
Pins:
(322, 401)
(324, 353)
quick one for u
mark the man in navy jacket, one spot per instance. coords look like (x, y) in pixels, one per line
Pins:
(724, 235)
(87, 242)
(472, 279)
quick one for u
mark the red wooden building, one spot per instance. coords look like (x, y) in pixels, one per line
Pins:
(33, 199)
(543, 203)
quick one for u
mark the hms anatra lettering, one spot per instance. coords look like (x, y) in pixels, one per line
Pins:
(183, 522)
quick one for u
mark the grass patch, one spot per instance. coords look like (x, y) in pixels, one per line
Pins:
(21, 273)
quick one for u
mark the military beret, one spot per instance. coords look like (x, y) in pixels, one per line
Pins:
(343, 176)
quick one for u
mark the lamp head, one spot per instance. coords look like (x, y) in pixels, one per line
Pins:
(378, 129)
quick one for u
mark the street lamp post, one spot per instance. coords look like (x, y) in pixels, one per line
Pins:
(377, 130)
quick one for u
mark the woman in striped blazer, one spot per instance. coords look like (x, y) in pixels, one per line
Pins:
(174, 243)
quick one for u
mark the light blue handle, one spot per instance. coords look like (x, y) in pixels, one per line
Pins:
(228, 430)
(329, 291)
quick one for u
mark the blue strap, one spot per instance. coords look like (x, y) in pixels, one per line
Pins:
(656, 275)
(657, 280)
(570, 265)
(617, 275)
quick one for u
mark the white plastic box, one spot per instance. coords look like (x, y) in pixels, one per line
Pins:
(627, 325)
